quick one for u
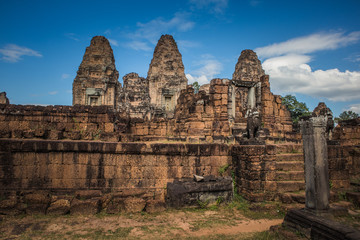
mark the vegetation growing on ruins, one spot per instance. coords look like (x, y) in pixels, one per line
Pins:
(297, 109)
(196, 87)
(346, 115)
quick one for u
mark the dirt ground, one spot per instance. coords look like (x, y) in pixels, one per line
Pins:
(220, 223)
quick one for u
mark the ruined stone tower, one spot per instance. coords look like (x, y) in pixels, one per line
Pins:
(248, 67)
(96, 82)
(245, 90)
(166, 74)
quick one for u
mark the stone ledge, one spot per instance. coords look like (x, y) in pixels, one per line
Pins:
(317, 227)
(35, 145)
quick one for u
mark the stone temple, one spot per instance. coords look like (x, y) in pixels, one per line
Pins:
(97, 82)
(233, 102)
(131, 144)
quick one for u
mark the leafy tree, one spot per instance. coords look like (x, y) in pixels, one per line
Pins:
(196, 87)
(346, 115)
(297, 109)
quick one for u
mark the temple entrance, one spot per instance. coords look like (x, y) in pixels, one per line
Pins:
(168, 103)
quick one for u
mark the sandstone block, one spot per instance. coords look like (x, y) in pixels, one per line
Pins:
(59, 207)
(87, 194)
(133, 205)
(85, 207)
(154, 206)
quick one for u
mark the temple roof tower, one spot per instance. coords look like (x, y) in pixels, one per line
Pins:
(96, 81)
(248, 67)
(166, 74)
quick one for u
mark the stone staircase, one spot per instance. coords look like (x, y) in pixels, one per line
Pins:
(290, 170)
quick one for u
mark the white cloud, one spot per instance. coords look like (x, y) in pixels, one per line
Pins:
(293, 74)
(355, 108)
(138, 45)
(208, 68)
(65, 76)
(53, 93)
(288, 65)
(150, 32)
(187, 44)
(214, 6)
(309, 44)
(13, 53)
(113, 42)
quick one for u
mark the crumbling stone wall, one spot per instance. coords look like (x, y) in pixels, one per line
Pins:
(125, 170)
(62, 122)
(276, 118)
(347, 132)
(134, 97)
(96, 82)
(346, 151)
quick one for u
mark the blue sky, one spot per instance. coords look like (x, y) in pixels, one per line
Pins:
(310, 49)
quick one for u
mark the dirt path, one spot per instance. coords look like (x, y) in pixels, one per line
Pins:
(173, 224)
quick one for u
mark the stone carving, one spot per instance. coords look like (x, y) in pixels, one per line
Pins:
(134, 97)
(253, 123)
(3, 98)
(96, 82)
(323, 110)
(314, 130)
(166, 74)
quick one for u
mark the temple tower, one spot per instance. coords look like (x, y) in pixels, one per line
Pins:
(166, 75)
(96, 82)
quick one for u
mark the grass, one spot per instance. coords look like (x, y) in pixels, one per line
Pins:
(267, 210)
(223, 169)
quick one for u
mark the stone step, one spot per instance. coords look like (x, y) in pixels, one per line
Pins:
(290, 197)
(290, 186)
(289, 166)
(290, 157)
(289, 148)
(290, 175)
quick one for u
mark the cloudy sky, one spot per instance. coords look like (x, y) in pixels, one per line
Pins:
(310, 49)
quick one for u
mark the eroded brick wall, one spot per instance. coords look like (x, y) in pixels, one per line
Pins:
(255, 171)
(61, 122)
(109, 167)
(276, 118)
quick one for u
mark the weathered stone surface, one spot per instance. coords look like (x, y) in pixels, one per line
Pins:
(248, 67)
(59, 207)
(155, 206)
(96, 82)
(166, 74)
(314, 132)
(354, 197)
(133, 205)
(87, 194)
(318, 227)
(191, 193)
(3, 98)
(85, 207)
(134, 97)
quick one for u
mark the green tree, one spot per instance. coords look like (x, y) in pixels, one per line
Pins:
(196, 87)
(297, 109)
(346, 115)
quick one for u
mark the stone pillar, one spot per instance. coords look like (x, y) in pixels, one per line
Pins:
(314, 134)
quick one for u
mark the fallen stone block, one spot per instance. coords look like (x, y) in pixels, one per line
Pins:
(133, 205)
(85, 207)
(154, 206)
(59, 207)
